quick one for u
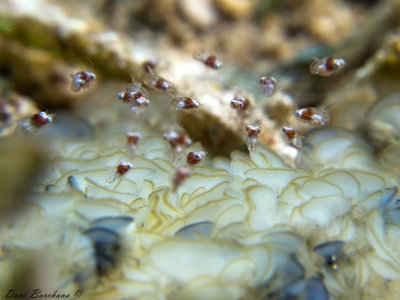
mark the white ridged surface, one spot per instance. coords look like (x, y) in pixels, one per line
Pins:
(262, 212)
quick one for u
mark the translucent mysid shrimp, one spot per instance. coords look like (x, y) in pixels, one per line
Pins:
(327, 66)
(181, 174)
(313, 115)
(132, 139)
(177, 138)
(268, 84)
(81, 80)
(122, 168)
(158, 83)
(135, 95)
(195, 157)
(185, 103)
(35, 122)
(253, 131)
(291, 135)
(209, 60)
(241, 104)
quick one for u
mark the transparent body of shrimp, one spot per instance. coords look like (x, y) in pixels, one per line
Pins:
(209, 60)
(81, 80)
(313, 115)
(327, 66)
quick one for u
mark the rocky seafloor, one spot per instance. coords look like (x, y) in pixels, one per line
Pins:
(320, 220)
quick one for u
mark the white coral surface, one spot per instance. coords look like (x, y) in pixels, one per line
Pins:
(259, 213)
